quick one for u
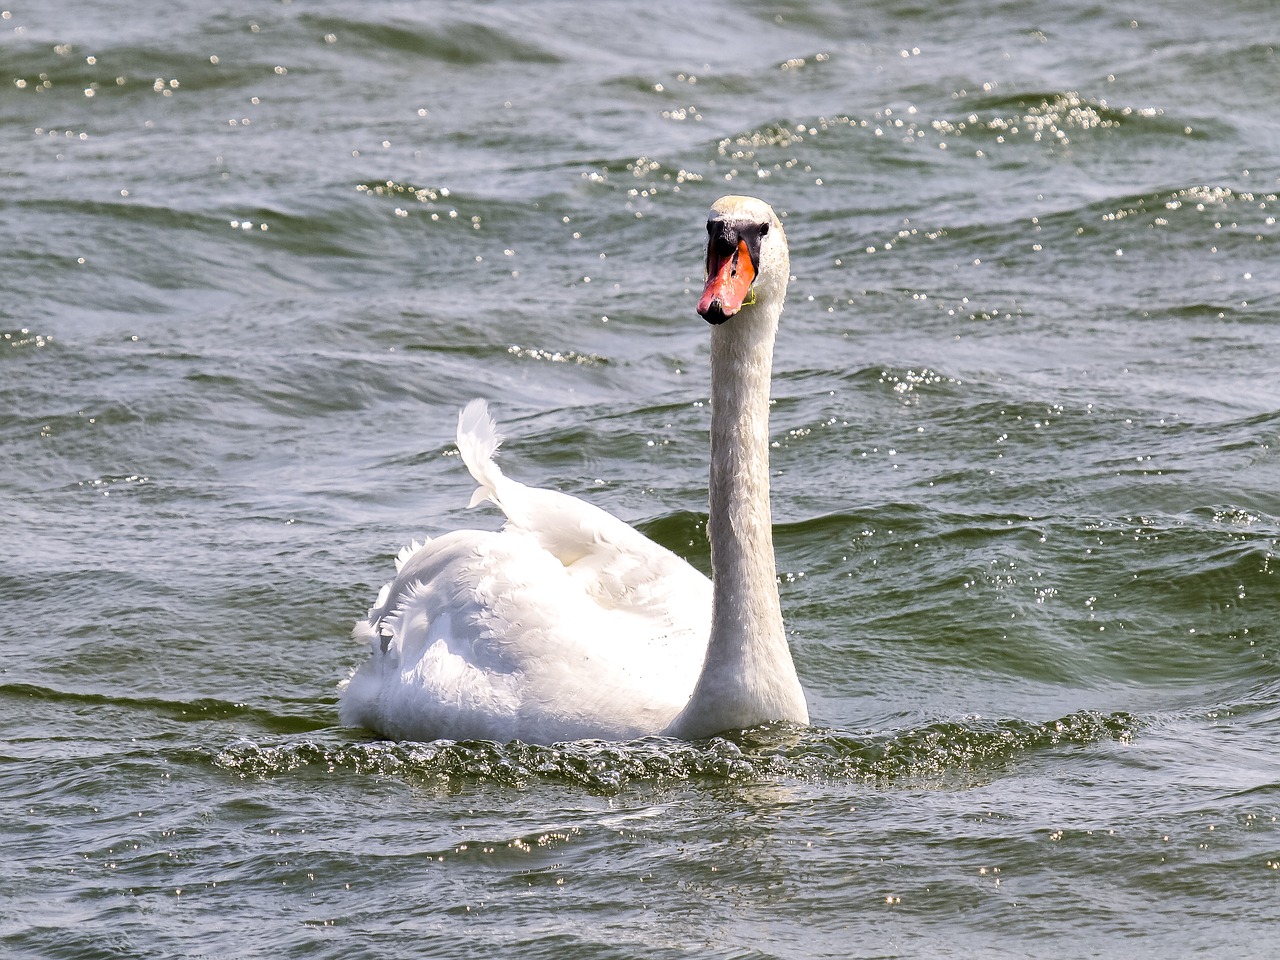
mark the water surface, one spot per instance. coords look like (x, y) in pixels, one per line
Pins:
(1025, 455)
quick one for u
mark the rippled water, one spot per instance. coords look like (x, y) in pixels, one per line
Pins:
(258, 254)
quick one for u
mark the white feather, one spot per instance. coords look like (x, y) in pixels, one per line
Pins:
(478, 441)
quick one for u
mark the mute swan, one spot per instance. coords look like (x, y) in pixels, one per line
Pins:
(568, 623)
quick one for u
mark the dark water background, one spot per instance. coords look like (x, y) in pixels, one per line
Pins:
(256, 255)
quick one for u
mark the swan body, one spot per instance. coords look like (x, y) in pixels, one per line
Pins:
(569, 623)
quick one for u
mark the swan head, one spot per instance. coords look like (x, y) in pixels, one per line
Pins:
(747, 258)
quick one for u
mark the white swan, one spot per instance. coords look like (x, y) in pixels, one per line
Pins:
(568, 623)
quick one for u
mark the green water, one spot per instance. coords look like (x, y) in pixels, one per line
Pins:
(1025, 464)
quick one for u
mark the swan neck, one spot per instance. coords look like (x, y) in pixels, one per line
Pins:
(748, 677)
(740, 520)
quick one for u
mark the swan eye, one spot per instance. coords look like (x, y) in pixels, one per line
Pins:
(764, 229)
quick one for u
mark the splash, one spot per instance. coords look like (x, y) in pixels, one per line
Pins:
(943, 754)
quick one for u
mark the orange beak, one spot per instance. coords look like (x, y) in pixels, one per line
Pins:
(729, 280)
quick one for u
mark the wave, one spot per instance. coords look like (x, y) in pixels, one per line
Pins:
(454, 41)
(196, 710)
(938, 754)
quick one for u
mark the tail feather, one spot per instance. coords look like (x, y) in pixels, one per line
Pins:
(478, 441)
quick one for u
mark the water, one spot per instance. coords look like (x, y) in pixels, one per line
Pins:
(1026, 469)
